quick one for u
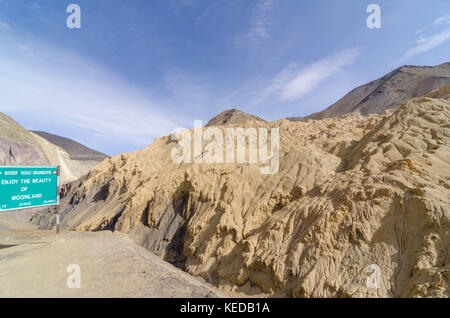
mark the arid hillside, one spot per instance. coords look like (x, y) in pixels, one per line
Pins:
(20, 147)
(75, 150)
(352, 193)
(387, 92)
(232, 116)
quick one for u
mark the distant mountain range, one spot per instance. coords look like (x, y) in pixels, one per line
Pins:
(18, 146)
(75, 150)
(389, 91)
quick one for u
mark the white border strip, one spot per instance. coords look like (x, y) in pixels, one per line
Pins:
(30, 207)
(43, 167)
(34, 206)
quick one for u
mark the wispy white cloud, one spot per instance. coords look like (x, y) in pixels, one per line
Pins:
(61, 88)
(4, 25)
(436, 37)
(258, 24)
(442, 20)
(186, 2)
(425, 44)
(34, 6)
(179, 5)
(213, 7)
(26, 50)
(294, 82)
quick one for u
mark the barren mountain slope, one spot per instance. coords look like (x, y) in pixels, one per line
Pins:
(232, 116)
(350, 192)
(75, 150)
(442, 92)
(20, 147)
(17, 145)
(390, 91)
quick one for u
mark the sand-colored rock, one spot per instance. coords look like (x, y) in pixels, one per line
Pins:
(442, 92)
(350, 192)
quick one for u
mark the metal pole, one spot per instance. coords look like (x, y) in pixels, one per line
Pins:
(57, 220)
(58, 191)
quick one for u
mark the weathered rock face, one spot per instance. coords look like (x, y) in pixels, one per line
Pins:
(350, 192)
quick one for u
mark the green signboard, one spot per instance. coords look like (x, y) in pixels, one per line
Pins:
(28, 187)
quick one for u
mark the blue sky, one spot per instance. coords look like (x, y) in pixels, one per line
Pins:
(138, 69)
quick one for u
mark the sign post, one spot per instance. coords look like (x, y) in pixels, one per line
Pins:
(29, 187)
(57, 206)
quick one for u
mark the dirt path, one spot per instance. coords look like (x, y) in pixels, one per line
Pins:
(34, 264)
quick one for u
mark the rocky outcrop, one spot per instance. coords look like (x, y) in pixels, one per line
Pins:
(353, 195)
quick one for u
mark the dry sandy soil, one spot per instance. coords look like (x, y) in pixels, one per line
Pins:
(33, 263)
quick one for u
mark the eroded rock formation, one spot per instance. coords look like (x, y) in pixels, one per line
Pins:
(350, 192)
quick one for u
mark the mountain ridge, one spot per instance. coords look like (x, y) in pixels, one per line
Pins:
(19, 146)
(388, 91)
(76, 150)
(232, 116)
